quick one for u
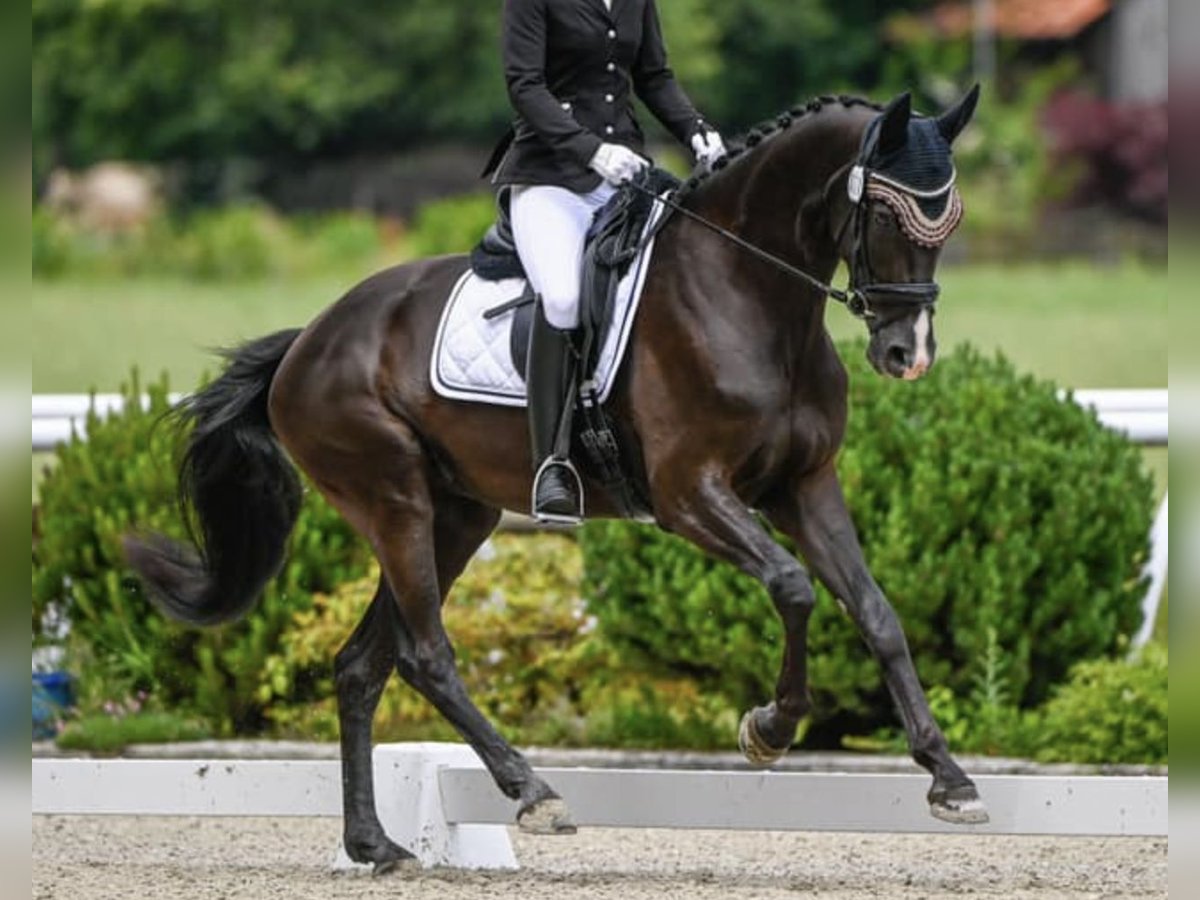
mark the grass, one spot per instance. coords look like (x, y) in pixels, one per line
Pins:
(1079, 324)
(1084, 326)
(88, 335)
(102, 733)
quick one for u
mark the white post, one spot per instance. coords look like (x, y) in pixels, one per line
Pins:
(1156, 568)
(408, 797)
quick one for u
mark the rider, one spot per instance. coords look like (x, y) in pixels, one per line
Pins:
(569, 65)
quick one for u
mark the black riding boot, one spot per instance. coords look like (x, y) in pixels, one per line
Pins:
(549, 381)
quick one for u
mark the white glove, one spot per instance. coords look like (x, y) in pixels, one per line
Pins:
(617, 164)
(708, 147)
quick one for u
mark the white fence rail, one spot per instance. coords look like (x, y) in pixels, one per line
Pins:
(1141, 414)
(56, 415)
(438, 800)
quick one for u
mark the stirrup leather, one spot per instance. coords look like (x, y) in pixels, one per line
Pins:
(552, 462)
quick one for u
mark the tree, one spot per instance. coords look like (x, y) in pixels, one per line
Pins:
(206, 80)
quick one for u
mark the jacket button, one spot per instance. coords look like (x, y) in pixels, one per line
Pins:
(611, 34)
(608, 98)
(611, 66)
(608, 129)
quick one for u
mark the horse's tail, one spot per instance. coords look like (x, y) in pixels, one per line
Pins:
(238, 494)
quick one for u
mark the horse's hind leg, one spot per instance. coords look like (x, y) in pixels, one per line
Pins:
(361, 670)
(423, 546)
(817, 518)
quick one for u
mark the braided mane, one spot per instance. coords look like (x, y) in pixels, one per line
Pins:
(764, 130)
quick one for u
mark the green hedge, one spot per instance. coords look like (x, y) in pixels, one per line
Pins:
(529, 652)
(121, 478)
(218, 244)
(452, 224)
(985, 505)
(1110, 711)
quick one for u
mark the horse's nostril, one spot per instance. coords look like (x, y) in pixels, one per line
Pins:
(899, 356)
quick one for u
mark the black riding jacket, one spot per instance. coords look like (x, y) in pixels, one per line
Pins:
(570, 65)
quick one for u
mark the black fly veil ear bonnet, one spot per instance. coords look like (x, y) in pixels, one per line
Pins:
(915, 179)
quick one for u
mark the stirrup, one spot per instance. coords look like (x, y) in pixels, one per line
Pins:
(550, 518)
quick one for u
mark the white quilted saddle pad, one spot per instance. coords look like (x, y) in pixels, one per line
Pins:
(471, 358)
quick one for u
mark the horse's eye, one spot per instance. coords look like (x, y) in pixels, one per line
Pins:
(882, 215)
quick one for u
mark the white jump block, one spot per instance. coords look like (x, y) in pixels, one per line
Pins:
(408, 796)
(411, 806)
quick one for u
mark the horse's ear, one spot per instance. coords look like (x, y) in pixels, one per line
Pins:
(954, 120)
(893, 124)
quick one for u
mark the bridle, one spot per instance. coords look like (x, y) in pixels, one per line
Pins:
(862, 295)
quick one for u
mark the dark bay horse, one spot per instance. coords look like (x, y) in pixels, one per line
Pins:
(732, 395)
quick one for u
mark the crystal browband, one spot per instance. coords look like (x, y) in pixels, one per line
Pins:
(905, 202)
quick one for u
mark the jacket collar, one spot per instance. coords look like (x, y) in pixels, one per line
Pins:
(615, 12)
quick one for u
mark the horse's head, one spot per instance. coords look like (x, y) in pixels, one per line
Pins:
(902, 206)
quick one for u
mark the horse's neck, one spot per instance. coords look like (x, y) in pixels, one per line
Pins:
(774, 198)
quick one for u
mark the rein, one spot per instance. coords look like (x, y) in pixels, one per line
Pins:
(849, 298)
(857, 294)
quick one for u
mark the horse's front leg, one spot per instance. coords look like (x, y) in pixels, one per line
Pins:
(815, 516)
(706, 511)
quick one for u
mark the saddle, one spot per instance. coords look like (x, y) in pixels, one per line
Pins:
(613, 243)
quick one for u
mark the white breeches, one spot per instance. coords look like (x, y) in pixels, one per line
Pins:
(549, 225)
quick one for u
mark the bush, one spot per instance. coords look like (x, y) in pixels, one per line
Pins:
(216, 244)
(1007, 174)
(1122, 149)
(985, 505)
(1110, 711)
(338, 240)
(234, 242)
(50, 245)
(453, 225)
(105, 733)
(530, 655)
(986, 720)
(123, 478)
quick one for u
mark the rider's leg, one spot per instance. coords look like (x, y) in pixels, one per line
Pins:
(549, 226)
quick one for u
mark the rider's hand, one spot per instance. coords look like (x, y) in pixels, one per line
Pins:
(617, 164)
(708, 147)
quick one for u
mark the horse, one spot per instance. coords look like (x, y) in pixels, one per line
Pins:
(731, 397)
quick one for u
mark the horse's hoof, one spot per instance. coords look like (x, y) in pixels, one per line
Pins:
(756, 750)
(959, 806)
(382, 853)
(546, 816)
(391, 865)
